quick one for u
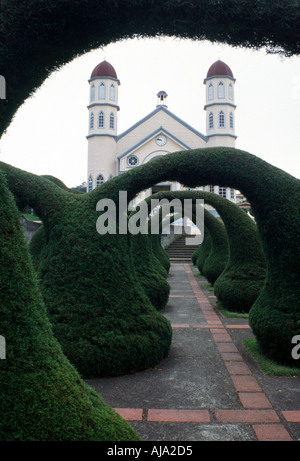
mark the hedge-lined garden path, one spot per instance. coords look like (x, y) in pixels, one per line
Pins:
(209, 388)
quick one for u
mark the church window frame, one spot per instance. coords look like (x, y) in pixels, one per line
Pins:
(111, 121)
(230, 91)
(101, 119)
(210, 121)
(100, 179)
(231, 120)
(92, 94)
(221, 119)
(101, 90)
(221, 90)
(92, 117)
(132, 160)
(232, 194)
(210, 94)
(112, 92)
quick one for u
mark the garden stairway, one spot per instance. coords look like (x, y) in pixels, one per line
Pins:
(179, 251)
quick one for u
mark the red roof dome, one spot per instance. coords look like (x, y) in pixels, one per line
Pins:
(219, 68)
(104, 69)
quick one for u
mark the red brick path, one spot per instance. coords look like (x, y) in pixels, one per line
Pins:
(256, 408)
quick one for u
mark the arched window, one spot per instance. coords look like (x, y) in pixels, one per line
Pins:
(112, 92)
(211, 120)
(99, 180)
(102, 91)
(221, 119)
(230, 91)
(231, 122)
(101, 119)
(210, 91)
(93, 92)
(90, 183)
(92, 121)
(221, 90)
(112, 121)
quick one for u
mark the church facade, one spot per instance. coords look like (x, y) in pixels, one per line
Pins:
(159, 133)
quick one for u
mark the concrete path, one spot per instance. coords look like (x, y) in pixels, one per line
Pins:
(209, 388)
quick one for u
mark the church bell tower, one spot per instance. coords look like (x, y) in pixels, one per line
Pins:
(103, 124)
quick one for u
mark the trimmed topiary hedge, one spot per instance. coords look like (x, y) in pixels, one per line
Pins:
(274, 317)
(217, 259)
(38, 36)
(42, 397)
(97, 306)
(200, 255)
(239, 285)
(277, 218)
(149, 273)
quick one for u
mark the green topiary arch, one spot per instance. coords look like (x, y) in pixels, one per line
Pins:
(70, 220)
(39, 36)
(244, 270)
(274, 316)
(42, 397)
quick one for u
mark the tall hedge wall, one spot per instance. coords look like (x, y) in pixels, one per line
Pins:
(42, 397)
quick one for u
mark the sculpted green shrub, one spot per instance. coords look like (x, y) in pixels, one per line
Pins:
(239, 284)
(97, 306)
(149, 273)
(42, 397)
(216, 260)
(274, 317)
(41, 35)
(203, 251)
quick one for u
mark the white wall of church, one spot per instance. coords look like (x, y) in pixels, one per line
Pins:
(102, 159)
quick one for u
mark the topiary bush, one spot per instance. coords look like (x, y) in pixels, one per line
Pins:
(97, 306)
(277, 221)
(242, 279)
(42, 396)
(216, 261)
(203, 251)
(148, 271)
(40, 35)
(274, 317)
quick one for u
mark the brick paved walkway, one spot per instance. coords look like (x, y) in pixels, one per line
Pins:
(209, 388)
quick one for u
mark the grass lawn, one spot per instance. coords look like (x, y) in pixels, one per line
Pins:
(267, 366)
(30, 217)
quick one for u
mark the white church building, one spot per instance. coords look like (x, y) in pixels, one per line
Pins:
(158, 133)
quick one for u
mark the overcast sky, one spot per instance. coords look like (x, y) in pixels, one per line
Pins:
(48, 134)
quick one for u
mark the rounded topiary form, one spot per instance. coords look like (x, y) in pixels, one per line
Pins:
(95, 301)
(149, 273)
(239, 284)
(216, 260)
(277, 221)
(42, 396)
(40, 36)
(203, 251)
